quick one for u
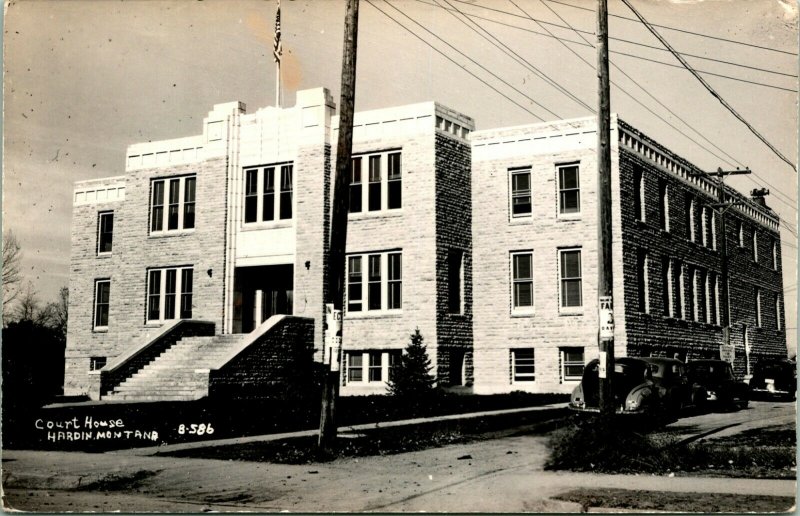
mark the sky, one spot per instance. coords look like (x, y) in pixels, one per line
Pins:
(86, 78)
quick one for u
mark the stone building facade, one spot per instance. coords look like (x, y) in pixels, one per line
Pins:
(484, 240)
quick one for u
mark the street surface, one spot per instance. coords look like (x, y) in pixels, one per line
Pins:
(504, 474)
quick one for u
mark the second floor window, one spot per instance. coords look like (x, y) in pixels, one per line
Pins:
(383, 273)
(663, 205)
(522, 284)
(268, 193)
(521, 193)
(102, 292)
(169, 293)
(571, 281)
(384, 178)
(455, 281)
(105, 232)
(172, 199)
(569, 189)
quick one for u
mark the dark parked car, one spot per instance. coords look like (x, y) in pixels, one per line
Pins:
(721, 387)
(775, 377)
(669, 377)
(631, 382)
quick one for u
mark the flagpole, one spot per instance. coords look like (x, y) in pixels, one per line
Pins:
(277, 51)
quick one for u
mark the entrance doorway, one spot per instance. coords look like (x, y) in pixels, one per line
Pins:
(259, 293)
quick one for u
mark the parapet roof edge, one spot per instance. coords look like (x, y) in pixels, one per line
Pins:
(99, 180)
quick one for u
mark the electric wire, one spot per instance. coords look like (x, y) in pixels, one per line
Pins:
(709, 88)
(457, 63)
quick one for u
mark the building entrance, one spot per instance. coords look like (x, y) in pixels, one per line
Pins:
(259, 293)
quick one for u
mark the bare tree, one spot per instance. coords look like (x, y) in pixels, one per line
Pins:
(12, 254)
(55, 313)
(29, 308)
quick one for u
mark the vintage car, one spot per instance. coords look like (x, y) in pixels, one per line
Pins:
(775, 377)
(669, 377)
(716, 379)
(634, 391)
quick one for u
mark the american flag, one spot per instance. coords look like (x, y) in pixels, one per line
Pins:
(277, 46)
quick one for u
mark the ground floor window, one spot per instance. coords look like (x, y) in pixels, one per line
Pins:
(373, 366)
(522, 365)
(97, 363)
(572, 362)
(169, 293)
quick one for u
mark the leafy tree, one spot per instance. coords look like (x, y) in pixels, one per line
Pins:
(411, 376)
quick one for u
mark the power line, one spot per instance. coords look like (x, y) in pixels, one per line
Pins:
(472, 60)
(456, 62)
(683, 30)
(635, 56)
(708, 87)
(511, 53)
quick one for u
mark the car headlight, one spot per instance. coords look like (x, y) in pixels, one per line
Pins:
(635, 400)
(576, 399)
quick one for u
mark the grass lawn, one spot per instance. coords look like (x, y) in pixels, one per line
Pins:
(676, 502)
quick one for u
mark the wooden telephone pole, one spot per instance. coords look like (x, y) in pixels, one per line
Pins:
(334, 295)
(605, 299)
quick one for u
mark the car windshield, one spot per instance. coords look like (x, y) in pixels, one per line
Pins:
(711, 370)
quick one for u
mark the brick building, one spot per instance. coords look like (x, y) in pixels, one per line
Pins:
(228, 228)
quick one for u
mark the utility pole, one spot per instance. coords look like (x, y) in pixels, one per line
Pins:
(721, 206)
(605, 300)
(334, 295)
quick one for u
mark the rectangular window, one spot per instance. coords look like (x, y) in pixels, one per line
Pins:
(521, 193)
(374, 201)
(375, 366)
(180, 193)
(758, 307)
(690, 208)
(572, 363)
(268, 196)
(394, 185)
(755, 245)
(638, 194)
(571, 282)
(169, 293)
(97, 363)
(394, 283)
(102, 291)
(663, 205)
(689, 309)
(251, 196)
(774, 248)
(354, 284)
(105, 232)
(777, 311)
(569, 191)
(666, 278)
(680, 299)
(642, 275)
(455, 281)
(703, 226)
(286, 192)
(374, 285)
(522, 264)
(355, 367)
(355, 185)
(702, 303)
(696, 295)
(712, 298)
(713, 224)
(522, 365)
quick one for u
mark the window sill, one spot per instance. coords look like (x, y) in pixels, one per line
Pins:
(367, 215)
(521, 220)
(522, 313)
(374, 314)
(569, 217)
(102, 329)
(523, 382)
(570, 311)
(167, 234)
(104, 255)
(270, 224)
(457, 315)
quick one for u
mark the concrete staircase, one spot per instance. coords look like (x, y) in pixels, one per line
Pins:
(174, 375)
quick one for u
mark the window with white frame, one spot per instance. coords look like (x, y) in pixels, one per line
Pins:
(383, 273)
(570, 278)
(384, 189)
(690, 209)
(521, 205)
(740, 232)
(689, 309)
(704, 226)
(663, 205)
(523, 367)
(666, 279)
(455, 281)
(102, 294)
(639, 193)
(172, 204)
(522, 282)
(680, 299)
(268, 193)
(774, 249)
(777, 311)
(713, 230)
(711, 296)
(97, 363)
(569, 189)
(370, 366)
(755, 245)
(169, 293)
(643, 290)
(105, 232)
(758, 307)
(572, 363)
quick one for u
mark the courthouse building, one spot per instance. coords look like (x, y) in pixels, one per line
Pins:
(191, 268)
